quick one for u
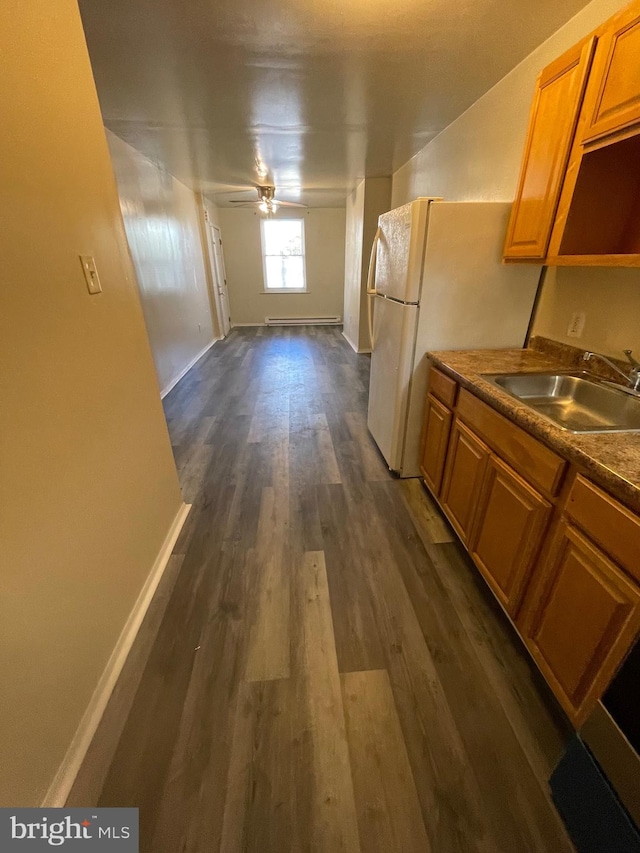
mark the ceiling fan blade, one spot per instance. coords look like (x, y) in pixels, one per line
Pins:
(288, 203)
(242, 201)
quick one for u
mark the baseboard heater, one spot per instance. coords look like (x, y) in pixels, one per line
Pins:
(303, 321)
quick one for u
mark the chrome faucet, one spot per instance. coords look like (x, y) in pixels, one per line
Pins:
(632, 379)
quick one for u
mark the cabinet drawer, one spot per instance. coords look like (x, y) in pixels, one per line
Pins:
(611, 525)
(442, 387)
(539, 465)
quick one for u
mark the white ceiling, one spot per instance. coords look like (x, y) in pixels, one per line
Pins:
(320, 92)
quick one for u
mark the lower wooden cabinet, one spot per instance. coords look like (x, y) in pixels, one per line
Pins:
(559, 553)
(466, 463)
(435, 440)
(510, 524)
(579, 619)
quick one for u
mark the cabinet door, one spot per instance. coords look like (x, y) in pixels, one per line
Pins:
(466, 464)
(612, 101)
(552, 125)
(583, 617)
(437, 426)
(512, 518)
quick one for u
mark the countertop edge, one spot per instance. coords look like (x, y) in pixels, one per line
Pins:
(561, 442)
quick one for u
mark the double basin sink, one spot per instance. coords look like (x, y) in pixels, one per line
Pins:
(576, 402)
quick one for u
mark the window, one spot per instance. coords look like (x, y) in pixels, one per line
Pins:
(283, 255)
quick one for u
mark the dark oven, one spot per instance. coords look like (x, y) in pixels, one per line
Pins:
(612, 733)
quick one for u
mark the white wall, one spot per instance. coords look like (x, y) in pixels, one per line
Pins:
(162, 218)
(610, 300)
(478, 158)
(377, 200)
(88, 487)
(368, 200)
(325, 241)
(353, 265)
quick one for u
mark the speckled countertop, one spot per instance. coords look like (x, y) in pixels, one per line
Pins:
(612, 460)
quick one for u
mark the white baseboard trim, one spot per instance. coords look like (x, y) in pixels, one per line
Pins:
(182, 373)
(349, 341)
(63, 781)
(353, 346)
(246, 325)
(317, 320)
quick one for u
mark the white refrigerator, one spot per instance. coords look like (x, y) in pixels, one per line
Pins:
(437, 282)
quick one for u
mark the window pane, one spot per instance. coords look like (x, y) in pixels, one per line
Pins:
(285, 272)
(283, 237)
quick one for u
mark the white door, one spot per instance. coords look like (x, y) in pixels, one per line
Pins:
(222, 297)
(394, 332)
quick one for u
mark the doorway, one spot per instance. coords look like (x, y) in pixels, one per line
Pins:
(220, 280)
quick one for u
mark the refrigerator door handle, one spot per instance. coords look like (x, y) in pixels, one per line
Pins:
(371, 279)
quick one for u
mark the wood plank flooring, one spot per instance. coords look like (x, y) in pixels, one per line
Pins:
(328, 672)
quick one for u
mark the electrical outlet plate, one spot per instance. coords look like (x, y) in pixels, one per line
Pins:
(90, 274)
(576, 326)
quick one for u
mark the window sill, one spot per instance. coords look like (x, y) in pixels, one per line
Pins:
(285, 290)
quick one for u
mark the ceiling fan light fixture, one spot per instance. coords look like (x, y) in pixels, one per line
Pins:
(266, 193)
(266, 202)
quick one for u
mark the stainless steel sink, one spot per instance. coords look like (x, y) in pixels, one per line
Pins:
(575, 402)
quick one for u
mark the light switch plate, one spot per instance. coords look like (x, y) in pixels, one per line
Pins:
(90, 274)
(576, 326)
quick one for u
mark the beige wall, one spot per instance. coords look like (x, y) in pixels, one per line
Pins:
(377, 200)
(212, 210)
(609, 299)
(162, 218)
(354, 214)
(88, 489)
(364, 205)
(478, 158)
(324, 244)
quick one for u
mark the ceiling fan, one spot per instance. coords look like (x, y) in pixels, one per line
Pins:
(267, 202)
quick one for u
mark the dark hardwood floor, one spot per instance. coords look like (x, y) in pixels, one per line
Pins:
(324, 670)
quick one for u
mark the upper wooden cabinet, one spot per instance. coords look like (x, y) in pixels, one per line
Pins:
(577, 201)
(552, 125)
(613, 100)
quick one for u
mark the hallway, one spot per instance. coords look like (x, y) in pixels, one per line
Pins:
(326, 672)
